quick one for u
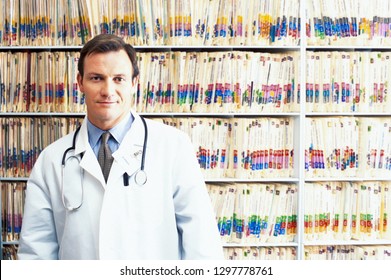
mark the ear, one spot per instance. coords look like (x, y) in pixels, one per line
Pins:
(135, 81)
(80, 81)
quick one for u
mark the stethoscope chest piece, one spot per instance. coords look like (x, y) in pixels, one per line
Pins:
(140, 177)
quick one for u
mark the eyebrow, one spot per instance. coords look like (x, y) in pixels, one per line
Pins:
(93, 74)
(99, 74)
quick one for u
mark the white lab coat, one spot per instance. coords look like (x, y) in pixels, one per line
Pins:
(170, 217)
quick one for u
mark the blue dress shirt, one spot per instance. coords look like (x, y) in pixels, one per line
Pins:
(118, 133)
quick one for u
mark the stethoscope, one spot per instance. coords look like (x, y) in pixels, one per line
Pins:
(140, 177)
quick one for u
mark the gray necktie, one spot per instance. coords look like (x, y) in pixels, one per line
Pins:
(105, 157)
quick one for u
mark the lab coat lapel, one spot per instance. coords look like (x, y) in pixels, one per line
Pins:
(127, 159)
(89, 161)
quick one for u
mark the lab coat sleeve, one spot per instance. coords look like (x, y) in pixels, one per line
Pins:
(38, 236)
(196, 222)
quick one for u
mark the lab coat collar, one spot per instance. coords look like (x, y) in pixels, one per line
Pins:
(82, 139)
(89, 162)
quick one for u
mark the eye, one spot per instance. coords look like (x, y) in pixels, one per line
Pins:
(119, 79)
(95, 78)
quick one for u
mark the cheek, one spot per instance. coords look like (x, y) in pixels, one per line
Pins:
(126, 95)
(91, 91)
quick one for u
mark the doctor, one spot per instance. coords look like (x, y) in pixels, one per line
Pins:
(159, 211)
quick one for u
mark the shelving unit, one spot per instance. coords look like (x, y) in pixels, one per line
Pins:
(328, 247)
(299, 178)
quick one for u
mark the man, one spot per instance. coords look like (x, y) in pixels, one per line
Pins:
(98, 207)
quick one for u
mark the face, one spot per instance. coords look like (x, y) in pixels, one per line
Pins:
(108, 86)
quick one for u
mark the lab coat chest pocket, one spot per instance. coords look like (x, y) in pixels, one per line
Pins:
(145, 205)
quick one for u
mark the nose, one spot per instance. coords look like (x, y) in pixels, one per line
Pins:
(108, 88)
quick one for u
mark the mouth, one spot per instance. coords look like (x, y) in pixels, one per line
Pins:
(106, 102)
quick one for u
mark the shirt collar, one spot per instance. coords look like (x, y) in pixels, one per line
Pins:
(118, 132)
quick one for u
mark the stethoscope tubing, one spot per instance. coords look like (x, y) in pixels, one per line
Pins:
(139, 174)
(64, 155)
(142, 156)
(144, 144)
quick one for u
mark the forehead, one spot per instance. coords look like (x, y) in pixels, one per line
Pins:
(108, 61)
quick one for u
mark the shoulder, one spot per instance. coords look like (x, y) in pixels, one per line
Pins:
(164, 130)
(50, 158)
(58, 147)
(168, 137)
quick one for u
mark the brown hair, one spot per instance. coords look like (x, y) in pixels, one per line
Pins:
(107, 43)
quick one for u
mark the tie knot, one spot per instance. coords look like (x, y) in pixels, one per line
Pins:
(105, 136)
